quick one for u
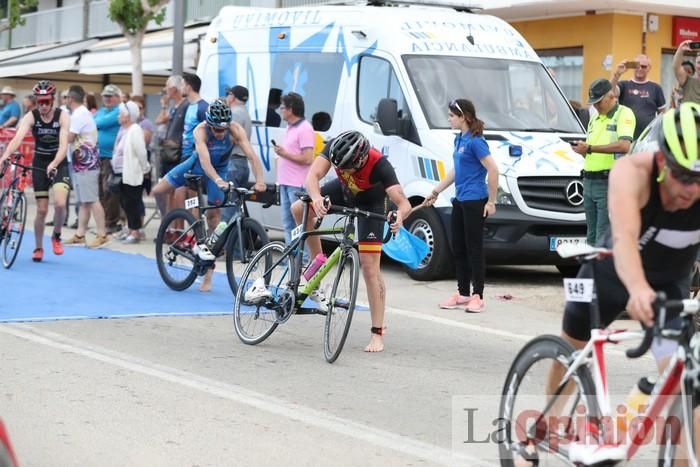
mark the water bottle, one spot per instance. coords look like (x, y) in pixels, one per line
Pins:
(636, 403)
(216, 233)
(315, 264)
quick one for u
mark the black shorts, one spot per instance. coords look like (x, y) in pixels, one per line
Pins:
(370, 231)
(41, 180)
(612, 299)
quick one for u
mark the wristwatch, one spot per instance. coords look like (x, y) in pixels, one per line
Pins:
(589, 149)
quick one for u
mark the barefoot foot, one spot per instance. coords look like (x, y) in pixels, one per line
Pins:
(376, 344)
(206, 281)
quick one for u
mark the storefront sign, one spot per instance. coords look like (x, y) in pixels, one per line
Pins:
(685, 29)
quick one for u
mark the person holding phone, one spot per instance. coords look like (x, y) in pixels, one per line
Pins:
(690, 85)
(644, 97)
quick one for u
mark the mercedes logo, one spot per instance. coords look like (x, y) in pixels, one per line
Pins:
(574, 193)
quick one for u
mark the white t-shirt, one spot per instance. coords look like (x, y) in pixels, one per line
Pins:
(82, 123)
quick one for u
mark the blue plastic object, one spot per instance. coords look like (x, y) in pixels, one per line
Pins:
(406, 248)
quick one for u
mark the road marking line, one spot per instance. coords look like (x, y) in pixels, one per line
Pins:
(238, 394)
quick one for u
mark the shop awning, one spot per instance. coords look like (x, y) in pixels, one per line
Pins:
(43, 59)
(111, 56)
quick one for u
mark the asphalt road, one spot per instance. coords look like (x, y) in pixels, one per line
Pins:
(185, 392)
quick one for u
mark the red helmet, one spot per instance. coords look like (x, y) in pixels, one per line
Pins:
(44, 88)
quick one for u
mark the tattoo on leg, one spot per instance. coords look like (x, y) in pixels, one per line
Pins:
(382, 290)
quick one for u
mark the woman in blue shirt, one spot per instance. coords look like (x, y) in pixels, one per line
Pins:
(475, 175)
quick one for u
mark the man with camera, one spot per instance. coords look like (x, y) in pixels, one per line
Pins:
(644, 97)
(690, 85)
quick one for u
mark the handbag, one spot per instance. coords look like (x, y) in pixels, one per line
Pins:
(170, 151)
(113, 182)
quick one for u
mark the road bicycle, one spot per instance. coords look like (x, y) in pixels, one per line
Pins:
(278, 269)
(13, 208)
(180, 231)
(576, 423)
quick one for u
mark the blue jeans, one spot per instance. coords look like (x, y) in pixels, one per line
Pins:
(595, 204)
(238, 173)
(287, 198)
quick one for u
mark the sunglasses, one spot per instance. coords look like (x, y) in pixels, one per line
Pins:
(454, 105)
(217, 129)
(44, 103)
(684, 177)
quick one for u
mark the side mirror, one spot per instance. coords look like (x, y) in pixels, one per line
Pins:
(388, 116)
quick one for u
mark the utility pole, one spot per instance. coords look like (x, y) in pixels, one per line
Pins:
(179, 39)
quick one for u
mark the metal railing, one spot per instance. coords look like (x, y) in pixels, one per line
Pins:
(59, 25)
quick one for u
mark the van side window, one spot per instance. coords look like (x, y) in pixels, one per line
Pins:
(378, 84)
(315, 76)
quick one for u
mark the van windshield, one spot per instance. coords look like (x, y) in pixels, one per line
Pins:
(508, 94)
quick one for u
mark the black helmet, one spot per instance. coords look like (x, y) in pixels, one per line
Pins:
(218, 114)
(44, 88)
(348, 148)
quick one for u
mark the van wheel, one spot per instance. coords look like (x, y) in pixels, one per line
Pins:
(425, 224)
(568, 270)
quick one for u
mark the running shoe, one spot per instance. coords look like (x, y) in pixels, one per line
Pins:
(99, 241)
(475, 305)
(75, 240)
(455, 301)
(56, 245)
(38, 255)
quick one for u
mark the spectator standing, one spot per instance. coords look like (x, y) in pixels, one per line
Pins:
(130, 163)
(295, 157)
(475, 175)
(107, 121)
(644, 97)
(174, 119)
(195, 113)
(148, 130)
(272, 118)
(609, 136)
(64, 106)
(10, 113)
(86, 163)
(238, 168)
(29, 103)
(91, 102)
(690, 85)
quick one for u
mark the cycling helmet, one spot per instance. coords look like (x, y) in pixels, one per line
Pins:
(44, 88)
(348, 148)
(679, 137)
(218, 114)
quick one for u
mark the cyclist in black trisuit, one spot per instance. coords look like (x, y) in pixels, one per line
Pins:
(49, 126)
(654, 203)
(365, 179)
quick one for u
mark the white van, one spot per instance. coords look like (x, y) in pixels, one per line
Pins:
(390, 72)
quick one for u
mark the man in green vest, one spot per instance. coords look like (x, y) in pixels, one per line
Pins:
(608, 137)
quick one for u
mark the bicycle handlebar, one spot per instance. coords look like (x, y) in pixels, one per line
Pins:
(232, 188)
(346, 211)
(662, 306)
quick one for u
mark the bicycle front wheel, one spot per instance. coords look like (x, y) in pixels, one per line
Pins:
(674, 435)
(526, 391)
(174, 249)
(262, 294)
(254, 238)
(14, 229)
(341, 304)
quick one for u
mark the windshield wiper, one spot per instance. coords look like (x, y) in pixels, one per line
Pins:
(546, 130)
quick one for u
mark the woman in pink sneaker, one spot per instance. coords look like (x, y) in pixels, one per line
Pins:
(475, 175)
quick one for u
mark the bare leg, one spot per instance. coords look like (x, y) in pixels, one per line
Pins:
(163, 192)
(83, 219)
(376, 295)
(99, 213)
(312, 243)
(213, 218)
(42, 208)
(60, 200)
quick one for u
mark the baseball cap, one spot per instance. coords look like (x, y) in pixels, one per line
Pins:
(599, 88)
(111, 90)
(8, 90)
(239, 92)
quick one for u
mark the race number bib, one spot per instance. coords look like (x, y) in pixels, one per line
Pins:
(191, 203)
(296, 231)
(578, 290)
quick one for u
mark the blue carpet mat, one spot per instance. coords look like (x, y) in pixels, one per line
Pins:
(84, 283)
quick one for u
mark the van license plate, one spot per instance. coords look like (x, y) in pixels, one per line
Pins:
(554, 242)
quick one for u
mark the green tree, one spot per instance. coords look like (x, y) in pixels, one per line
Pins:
(133, 16)
(15, 9)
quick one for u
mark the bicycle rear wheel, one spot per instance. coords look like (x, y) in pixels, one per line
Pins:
(254, 238)
(262, 294)
(525, 391)
(14, 230)
(176, 239)
(341, 304)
